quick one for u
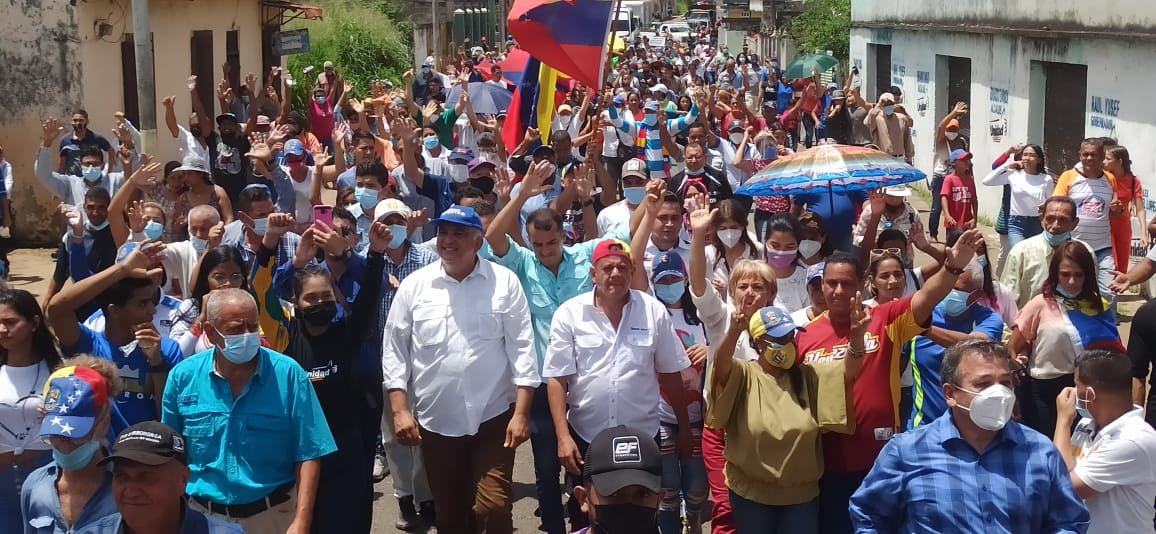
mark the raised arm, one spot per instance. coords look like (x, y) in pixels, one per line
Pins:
(933, 292)
(700, 223)
(202, 117)
(59, 184)
(956, 112)
(171, 116)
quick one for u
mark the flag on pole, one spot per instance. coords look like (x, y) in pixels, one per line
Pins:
(534, 102)
(568, 35)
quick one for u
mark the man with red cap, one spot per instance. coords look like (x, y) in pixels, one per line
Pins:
(606, 347)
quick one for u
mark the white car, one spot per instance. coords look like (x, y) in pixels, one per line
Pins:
(679, 31)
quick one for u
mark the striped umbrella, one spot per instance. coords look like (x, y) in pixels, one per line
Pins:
(831, 168)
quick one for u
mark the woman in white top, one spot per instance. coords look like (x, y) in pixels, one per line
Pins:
(732, 243)
(1030, 187)
(783, 255)
(28, 355)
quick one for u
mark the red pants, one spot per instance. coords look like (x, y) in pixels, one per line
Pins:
(713, 443)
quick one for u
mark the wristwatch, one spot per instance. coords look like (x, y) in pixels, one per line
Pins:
(588, 203)
(953, 270)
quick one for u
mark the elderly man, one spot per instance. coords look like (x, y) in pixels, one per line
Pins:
(973, 470)
(606, 347)
(1026, 267)
(889, 131)
(459, 340)
(255, 429)
(150, 471)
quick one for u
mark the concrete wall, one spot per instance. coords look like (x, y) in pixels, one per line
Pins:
(1054, 15)
(55, 62)
(1119, 103)
(40, 54)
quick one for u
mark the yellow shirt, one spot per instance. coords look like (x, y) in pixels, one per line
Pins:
(773, 451)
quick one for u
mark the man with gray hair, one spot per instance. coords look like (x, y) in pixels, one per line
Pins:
(971, 466)
(959, 317)
(254, 426)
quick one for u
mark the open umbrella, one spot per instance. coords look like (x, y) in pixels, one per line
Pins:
(830, 168)
(485, 98)
(806, 66)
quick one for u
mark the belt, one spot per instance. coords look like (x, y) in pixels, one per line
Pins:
(242, 511)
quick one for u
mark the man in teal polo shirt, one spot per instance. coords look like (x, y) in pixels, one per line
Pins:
(550, 274)
(254, 427)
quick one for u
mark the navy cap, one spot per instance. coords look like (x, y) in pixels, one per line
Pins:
(461, 154)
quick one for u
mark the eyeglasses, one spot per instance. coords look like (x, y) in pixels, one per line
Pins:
(877, 253)
(236, 278)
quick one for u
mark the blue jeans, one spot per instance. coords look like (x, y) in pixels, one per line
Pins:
(11, 479)
(544, 444)
(682, 478)
(807, 125)
(1106, 266)
(763, 224)
(752, 517)
(1021, 227)
(936, 207)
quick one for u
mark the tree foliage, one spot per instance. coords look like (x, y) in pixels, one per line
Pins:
(365, 39)
(824, 25)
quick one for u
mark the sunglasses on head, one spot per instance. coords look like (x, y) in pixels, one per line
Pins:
(877, 253)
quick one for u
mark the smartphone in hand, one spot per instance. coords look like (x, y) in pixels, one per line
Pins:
(323, 214)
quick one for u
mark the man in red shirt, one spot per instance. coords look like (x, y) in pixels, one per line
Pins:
(876, 391)
(958, 195)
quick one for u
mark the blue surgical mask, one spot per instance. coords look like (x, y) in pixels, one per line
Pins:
(889, 110)
(430, 142)
(241, 348)
(650, 119)
(956, 303)
(634, 195)
(982, 261)
(399, 233)
(366, 197)
(78, 459)
(153, 230)
(320, 100)
(97, 227)
(1082, 405)
(670, 293)
(260, 225)
(198, 244)
(92, 174)
(1064, 293)
(1056, 240)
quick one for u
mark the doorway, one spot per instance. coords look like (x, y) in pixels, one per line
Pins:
(201, 64)
(879, 58)
(1059, 121)
(955, 73)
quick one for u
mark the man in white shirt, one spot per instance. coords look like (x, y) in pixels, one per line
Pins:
(617, 215)
(606, 347)
(1112, 454)
(1026, 267)
(459, 339)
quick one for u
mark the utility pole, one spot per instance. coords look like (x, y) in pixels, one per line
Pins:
(146, 92)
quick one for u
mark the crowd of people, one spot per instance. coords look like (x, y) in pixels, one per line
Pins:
(222, 350)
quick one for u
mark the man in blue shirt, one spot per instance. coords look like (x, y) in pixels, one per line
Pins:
(130, 340)
(973, 470)
(838, 210)
(255, 429)
(959, 317)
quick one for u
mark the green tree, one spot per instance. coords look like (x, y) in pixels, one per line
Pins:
(365, 39)
(824, 25)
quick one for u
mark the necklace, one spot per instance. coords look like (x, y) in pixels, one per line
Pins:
(22, 437)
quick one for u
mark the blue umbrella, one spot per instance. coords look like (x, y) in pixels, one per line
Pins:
(486, 98)
(830, 168)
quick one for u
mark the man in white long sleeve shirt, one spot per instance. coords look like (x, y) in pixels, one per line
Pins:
(459, 339)
(68, 188)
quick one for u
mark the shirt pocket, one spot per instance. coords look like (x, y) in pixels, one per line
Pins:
(429, 325)
(639, 347)
(203, 432)
(589, 350)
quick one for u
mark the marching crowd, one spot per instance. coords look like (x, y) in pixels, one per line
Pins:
(221, 350)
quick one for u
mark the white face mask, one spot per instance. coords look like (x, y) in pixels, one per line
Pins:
(736, 137)
(459, 173)
(808, 248)
(729, 238)
(951, 135)
(991, 408)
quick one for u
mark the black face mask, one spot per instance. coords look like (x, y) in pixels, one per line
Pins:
(625, 518)
(485, 184)
(196, 131)
(320, 314)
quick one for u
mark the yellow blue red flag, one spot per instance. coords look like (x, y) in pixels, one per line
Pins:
(568, 35)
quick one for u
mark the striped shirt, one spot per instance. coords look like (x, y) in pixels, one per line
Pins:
(649, 139)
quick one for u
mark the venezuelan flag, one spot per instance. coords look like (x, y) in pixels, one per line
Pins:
(568, 35)
(534, 102)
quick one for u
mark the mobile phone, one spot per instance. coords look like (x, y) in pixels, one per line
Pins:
(323, 214)
(307, 69)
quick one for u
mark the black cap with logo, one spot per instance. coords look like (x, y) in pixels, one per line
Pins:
(621, 456)
(149, 443)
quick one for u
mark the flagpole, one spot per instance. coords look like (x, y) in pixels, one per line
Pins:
(608, 47)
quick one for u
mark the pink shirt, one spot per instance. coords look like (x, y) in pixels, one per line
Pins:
(321, 120)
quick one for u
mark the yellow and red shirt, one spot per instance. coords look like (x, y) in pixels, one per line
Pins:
(876, 391)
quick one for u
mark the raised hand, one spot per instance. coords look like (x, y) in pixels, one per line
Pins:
(278, 224)
(330, 241)
(964, 250)
(379, 237)
(960, 108)
(259, 149)
(701, 218)
(878, 202)
(168, 101)
(135, 214)
(533, 135)
(533, 183)
(251, 81)
(417, 219)
(860, 317)
(138, 262)
(51, 131)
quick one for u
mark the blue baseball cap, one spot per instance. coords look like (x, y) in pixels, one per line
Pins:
(815, 272)
(460, 215)
(617, 100)
(461, 154)
(771, 321)
(959, 154)
(73, 398)
(651, 105)
(668, 264)
(293, 147)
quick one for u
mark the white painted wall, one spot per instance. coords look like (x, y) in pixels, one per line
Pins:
(1117, 69)
(1139, 15)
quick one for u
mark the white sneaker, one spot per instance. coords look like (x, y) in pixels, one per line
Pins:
(380, 468)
